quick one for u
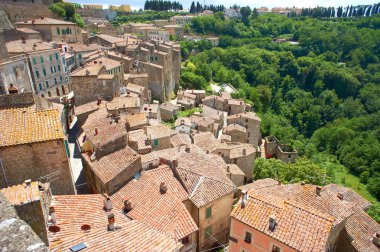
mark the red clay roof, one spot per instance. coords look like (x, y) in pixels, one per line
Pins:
(23, 194)
(164, 211)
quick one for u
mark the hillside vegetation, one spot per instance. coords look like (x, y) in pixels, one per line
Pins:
(321, 95)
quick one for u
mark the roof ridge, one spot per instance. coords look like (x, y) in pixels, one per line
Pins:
(310, 210)
(196, 186)
(208, 177)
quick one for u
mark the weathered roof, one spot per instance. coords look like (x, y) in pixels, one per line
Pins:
(296, 224)
(160, 131)
(123, 102)
(180, 139)
(212, 113)
(167, 154)
(135, 120)
(349, 195)
(163, 211)
(5, 24)
(88, 107)
(359, 229)
(23, 194)
(108, 167)
(206, 141)
(135, 88)
(111, 39)
(237, 150)
(258, 184)
(44, 21)
(137, 140)
(30, 45)
(234, 127)
(88, 70)
(107, 62)
(204, 177)
(247, 115)
(27, 30)
(168, 106)
(25, 125)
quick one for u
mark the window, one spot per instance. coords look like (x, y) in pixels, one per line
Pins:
(34, 61)
(248, 237)
(60, 78)
(56, 56)
(47, 84)
(155, 142)
(79, 56)
(51, 57)
(44, 71)
(34, 86)
(37, 74)
(42, 59)
(51, 70)
(55, 69)
(58, 31)
(40, 86)
(55, 81)
(276, 249)
(208, 212)
(208, 232)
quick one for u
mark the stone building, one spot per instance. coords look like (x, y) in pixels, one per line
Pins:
(168, 111)
(47, 66)
(237, 132)
(274, 149)
(33, 146)
(108, 41)
(16, 235)
(251, 122)
(159, 136)
(20, 10)
(181, 20)
(93, 82)
(177, 31)
(31, 201)
(19, 33)
(107, 160)
(54, 29)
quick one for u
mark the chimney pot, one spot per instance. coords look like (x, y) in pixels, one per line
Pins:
(52, 216)
(244, 198)
(228, 169)
(340, 196)
(272, 222)
(318, 190)
(96, 131)
(187, 149)
(175, 163)
(376, 239)
(107, 203)
(244, 152)
(111, 222)
(127, 205)
(302, 182)
(163, 188)
(23, 40)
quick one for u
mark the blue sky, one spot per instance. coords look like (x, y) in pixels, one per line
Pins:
(269, 3)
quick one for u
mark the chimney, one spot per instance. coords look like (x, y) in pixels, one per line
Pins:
(127, 205)
(107, 203)
(87, 72)
(111, 222)
(99, 101)
(318, 190)
(376, 239)
(34, 46)
(228, 169)
(96, 131)
(244, 152)
(175, 163)
(340, 196)
(163, 188)
(272, 222)
(28, 182)
(23, 40)
(244, 198)
(147, 141)
(187, 149)
(52, 216)
(302, 183)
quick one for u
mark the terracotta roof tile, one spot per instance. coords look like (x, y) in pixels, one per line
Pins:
(248, 115)
(135, 120)
(135, 88)
(180, 139)
(23, 194)
(160, 131)
(108, 167)
(25, 125)
(168, 106)
(234, 127)
(163, 211)
(91, 70)
(137, 141)
(123, 103)
(349, 195)
(167, 154)
(112, 39)
(258, 184)
(45, 21)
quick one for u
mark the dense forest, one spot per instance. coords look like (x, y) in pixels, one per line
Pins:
(320, 91)
(160, 5)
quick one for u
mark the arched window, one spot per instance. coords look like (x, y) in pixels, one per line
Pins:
(63, 90)
(49, 94)
(57, 91)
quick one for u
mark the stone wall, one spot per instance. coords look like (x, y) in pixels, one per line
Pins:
(15, 234)
(15, 71)
(35, 160)
(18, 11)
(19, 100)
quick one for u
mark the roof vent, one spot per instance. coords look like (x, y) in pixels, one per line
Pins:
(127, 205)
(318, 190)
(340, 196)
(111, 222)
(85, 227)
(107, 203)
(272, 222)
(244, 198)
(163, 188)
(376, 239)
(54, 229)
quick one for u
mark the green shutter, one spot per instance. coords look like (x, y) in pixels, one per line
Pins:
(208, 212)
(208, 232)
(34, 61)
(42, 59)
(155, 142)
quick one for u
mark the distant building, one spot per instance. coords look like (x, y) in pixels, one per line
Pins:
(251, 122)
(54, 29)
(92, 6)
(232, 13)
(181, 20)
(283, 152)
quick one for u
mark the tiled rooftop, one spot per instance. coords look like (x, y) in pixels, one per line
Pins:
(163, 211)
(160, 131)
(91, 70)
(110, 166)
(233, 127)
(135, 88)
(26, 30)
(248, 115)
(45, 21)
(123, 103)
(107, 62)
(30, 45)
(180, 139)
(167, 154)
(23, 194)
(258, 184)
(25, 125)
(135, 120)
(168, 106)
(299, 227)
(349, 195)
(112, 39)
(137, 140)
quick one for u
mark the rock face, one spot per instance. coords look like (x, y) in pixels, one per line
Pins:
(15, 234)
